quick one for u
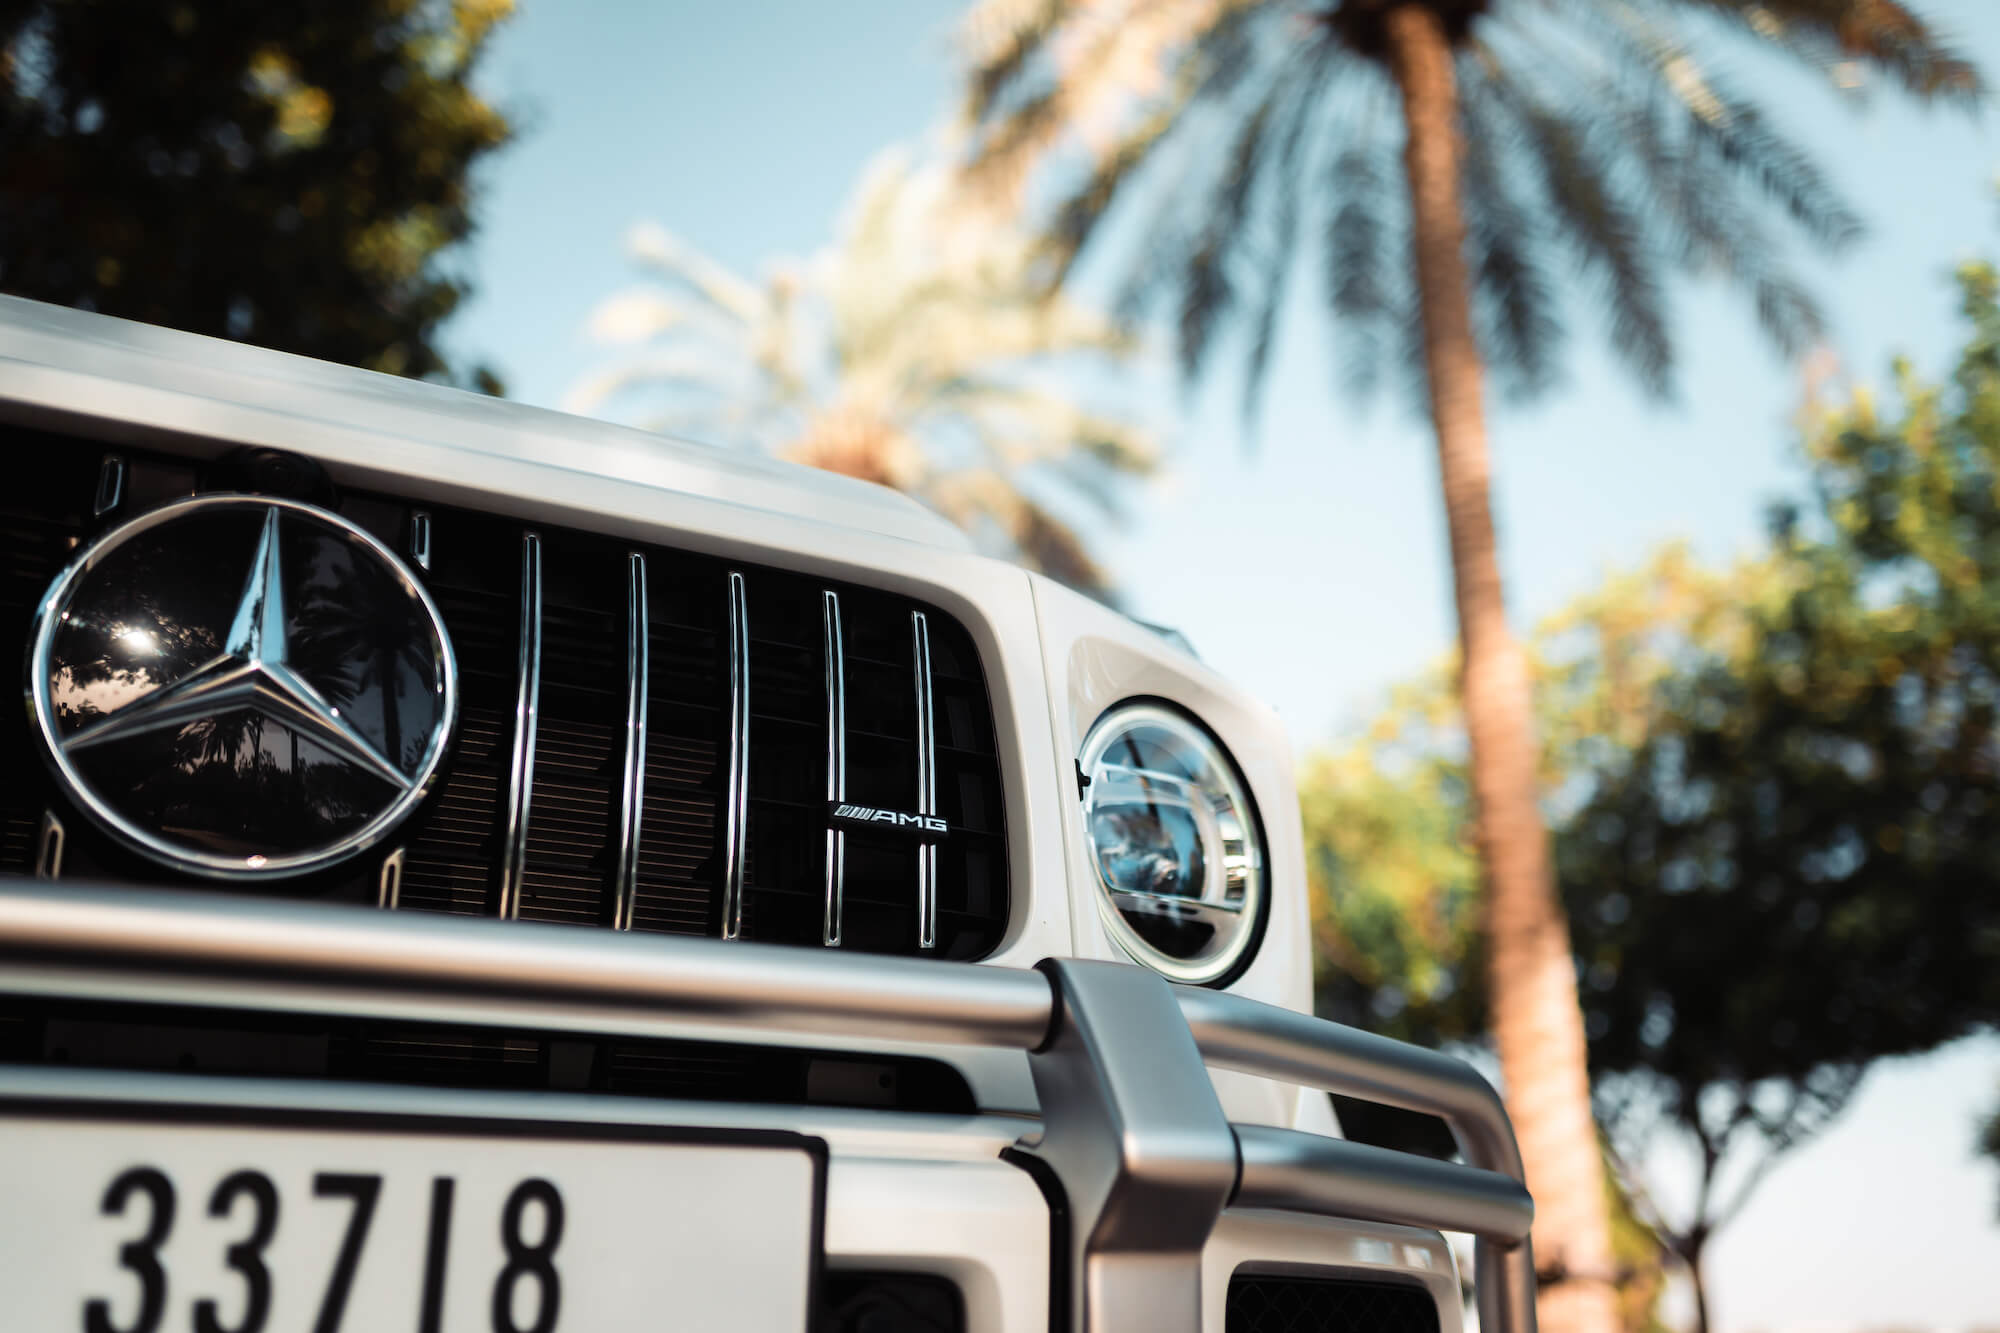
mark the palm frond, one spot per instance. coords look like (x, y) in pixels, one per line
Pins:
(998, 170)
(1885, 34)
(977, 498)
(674, 262)
(1106, 71)
(1787, 312)
(1726, 125)
(916, 352)
(1713, 232)
(1206, 74)
(1209, 292)
(1076, 218)
(1520, 330)
(1051, 545)
(1603, 231)
(1023, 422)
(999, 39)
(1596, 131)
(1358, 266)
(1309, 74)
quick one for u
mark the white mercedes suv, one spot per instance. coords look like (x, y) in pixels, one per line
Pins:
(469, 868)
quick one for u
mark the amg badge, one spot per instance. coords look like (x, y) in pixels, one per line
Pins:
(925, 828)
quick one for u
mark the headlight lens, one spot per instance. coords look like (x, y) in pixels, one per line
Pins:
(1175, 843)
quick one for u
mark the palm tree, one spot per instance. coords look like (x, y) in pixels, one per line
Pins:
(1543, 144)
(915, 354)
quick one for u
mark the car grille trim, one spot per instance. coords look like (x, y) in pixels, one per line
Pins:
(632, 808)
(651, 751)
(527, 703)
(836, 762)
(920, 651)
(737, 829)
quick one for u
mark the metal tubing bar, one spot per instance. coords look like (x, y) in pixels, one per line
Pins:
(245, 951)
(920, 636)
(1262, 1039)
(1310, 1173)
(527, 703)
(631, 812)
(836, 763)
(737, 810)
(1133, 1129)
(1241, 1034)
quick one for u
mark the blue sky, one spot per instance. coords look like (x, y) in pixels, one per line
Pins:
(1313, 570)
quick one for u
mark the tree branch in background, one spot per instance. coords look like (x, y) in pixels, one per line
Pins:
(919, 353)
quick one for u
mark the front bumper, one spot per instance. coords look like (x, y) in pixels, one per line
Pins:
(1128, 1204)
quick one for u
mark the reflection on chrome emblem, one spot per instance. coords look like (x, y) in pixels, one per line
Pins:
(242, 687)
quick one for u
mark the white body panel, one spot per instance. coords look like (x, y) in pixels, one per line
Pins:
(922, 1192)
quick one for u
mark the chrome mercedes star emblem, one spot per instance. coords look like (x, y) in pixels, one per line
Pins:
(242, 724)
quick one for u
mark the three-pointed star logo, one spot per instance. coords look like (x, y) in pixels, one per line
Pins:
(252, 672)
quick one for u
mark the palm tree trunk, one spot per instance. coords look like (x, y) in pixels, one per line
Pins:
(1532, 999)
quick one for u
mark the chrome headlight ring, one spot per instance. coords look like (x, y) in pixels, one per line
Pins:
(1176, 847)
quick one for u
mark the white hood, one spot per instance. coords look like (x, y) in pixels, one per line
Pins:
(147, 379)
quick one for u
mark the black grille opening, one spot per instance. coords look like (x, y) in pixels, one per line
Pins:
(210, 1042)
(1273, 1303)
(453, 846)
(854, 1301)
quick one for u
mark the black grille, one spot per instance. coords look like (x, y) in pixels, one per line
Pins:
(1282, 1304)
(301, 1046)
(453, 845)
(853, 1301)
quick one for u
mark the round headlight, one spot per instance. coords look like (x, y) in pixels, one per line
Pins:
(1175, 843)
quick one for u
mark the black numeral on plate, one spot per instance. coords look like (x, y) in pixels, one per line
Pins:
(362, 1191)
(430, 1317)
(142, 1256)
(246, 1256)
(530, 1262)
(536, 1261)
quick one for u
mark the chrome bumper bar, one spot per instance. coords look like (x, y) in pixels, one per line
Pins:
(1133, 1142)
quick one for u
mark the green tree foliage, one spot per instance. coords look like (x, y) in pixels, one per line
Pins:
(1777, 794)
(288, 174)
(1394, 870)
(914, 353)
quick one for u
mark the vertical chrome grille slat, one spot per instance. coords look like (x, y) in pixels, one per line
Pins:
(527, 703)
(920, 636)
(836, 762)
(420, 539)
(737, 810)
(110, 486)
(625, 889)
(389, 881)
(50, 840)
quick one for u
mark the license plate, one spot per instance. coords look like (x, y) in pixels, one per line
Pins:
(222, 1222)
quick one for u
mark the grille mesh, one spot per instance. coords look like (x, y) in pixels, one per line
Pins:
(1283, 1304)
(89, 1035)
(454, 845)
